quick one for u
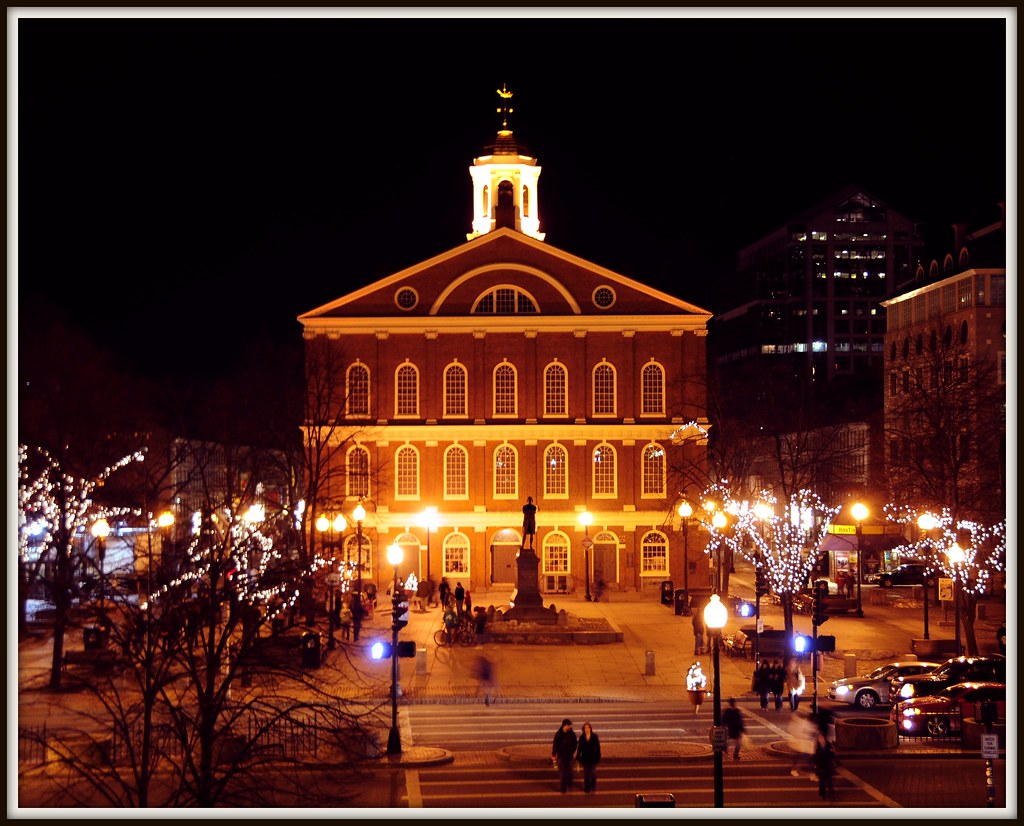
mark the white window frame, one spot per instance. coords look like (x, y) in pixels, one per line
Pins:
(449, 476)
(606, 449)
(646, 472)
(350, 394)
(563, 390)
(549, 491)
(407, 450)
(646, 394)
(449, 413)
(401, 395)
(600, 367)
(515, 471)
(352, 490)
(645, 569)
(505, 414)
(553, 540)
(448, 548)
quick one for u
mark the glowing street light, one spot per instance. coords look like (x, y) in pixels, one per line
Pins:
(100, 531)
(860, 513)
(956, 557)
(685, 512)
(585, 518)
(715, 617)
(926, 522)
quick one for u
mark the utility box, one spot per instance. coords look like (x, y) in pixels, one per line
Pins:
(310, 645)
(681, 599)
(94, 638)
(666, 591)
(649, 669)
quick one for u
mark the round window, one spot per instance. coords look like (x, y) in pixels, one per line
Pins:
(604, 297)
(406, 298)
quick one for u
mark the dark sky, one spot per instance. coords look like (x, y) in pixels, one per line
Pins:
(187, 184)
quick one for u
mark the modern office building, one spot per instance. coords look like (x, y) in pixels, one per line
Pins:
(507, 368)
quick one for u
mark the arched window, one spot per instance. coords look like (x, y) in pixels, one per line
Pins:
(354, 556)
(357, 472)
(407, 390)
(947, 263)
(604, 470)
(604, 389)
(407, 473)
(556, 390)
(456, 555)
(652, 382)
(506, 478)
(357, 390)
(892, 351)
(653, 554)
(455, 378)
(456, 473)
(505, 396)
(919, 344)
(947, 337)
(504, 300)
(653, 470)
(526, 202)
(485, 203)
(556, 480)
(905, 348)
(555, 553)
(411, 547)
(965, 259)
(963, 332)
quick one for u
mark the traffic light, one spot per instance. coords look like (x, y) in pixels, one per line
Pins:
(826, 643)
(761, 582)
(802, 644)
(819, 609)
(382, 650)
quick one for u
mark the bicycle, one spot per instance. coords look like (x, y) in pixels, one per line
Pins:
(462, 634)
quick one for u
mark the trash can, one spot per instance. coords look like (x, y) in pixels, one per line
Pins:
(644, 801)
(666, 592)
(94, 638)
(310, 649)
(681, 600)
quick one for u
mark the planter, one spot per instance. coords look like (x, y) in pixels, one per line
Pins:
(696, 697)
(862, 733)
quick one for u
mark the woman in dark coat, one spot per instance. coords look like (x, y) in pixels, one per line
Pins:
(778, 683)
(763, 683)
(588, 755)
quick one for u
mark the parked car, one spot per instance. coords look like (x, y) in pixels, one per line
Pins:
(868, 690)
(909, 573)
(954, 670)
(941, 713)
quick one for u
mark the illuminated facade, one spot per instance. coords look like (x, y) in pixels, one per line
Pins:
(506, 368)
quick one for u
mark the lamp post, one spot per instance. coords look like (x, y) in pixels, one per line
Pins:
(394, 737)
(429, 520)
(715, 617)
(926, 522)
(956, 557)
(718, 521)
(763, 513)
(860, 513)
(585, 519)
(101, 530)
(338, 524)
(685, 512)
(359, 514)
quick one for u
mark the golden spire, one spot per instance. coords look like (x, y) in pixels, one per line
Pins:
(505, 109)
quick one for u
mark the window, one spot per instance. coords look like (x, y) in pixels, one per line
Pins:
(456, 473)
(604, 470)
(965, 293)
(652, 395)
(653, 554)
(357, 472)
(556, 553)
(406, 298)
(653, 470)
(604, 389)
(526, 202)
(407, 473)
(555, 390)
(505, 477)
(455, 390)
(411, 547)
(357, 390)
(456, 555)
(504, 300)
(505, 397)
(407, 390)
(556, 482)
(604, 297)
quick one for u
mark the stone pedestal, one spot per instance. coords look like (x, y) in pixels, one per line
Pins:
(526, 598)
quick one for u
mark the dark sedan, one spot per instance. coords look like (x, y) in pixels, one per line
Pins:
(941, 713)
(953, 671)
(909, 573)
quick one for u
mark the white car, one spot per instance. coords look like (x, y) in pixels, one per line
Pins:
(869, 690)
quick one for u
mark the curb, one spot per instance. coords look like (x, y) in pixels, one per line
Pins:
(614, 752)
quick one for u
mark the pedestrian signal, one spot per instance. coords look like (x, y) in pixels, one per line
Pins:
(819, 608)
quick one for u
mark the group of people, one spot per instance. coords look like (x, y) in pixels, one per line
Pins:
(458, 600)
(567, 750)
(780, 681)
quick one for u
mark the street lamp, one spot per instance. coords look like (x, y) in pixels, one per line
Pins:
(718, 521)
(763, 513)
(338, 524)
(101, 530)
(585, 519)
(359, 514)
(860, 513)
(926, 522)
(715, 617)
(956, 557)
(685, 512)
(394, 737)
(430, 520)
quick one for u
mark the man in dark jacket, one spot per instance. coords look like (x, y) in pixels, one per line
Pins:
(563, 751)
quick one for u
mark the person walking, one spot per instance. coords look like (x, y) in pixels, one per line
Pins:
(795, 683)
(777, 680)
(460, 598)
(345, 617)
(485, 673)
(444, 591)
(825, 767)
(763, 683)
(563, 752)
(698, 632)
(732, 719)
(588, 755)
(803, 737)
(358, 611)
(1001, 639)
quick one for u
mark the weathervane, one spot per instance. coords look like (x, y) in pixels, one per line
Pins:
(505, 109)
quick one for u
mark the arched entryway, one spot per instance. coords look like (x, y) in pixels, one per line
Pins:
(505, 545)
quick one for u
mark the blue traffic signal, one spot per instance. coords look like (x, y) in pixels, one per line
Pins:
(745, 609)
(380, 651)
(802, 644)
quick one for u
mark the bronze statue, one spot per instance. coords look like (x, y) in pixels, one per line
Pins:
(529, 521)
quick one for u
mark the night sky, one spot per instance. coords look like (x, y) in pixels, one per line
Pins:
(185, 185)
